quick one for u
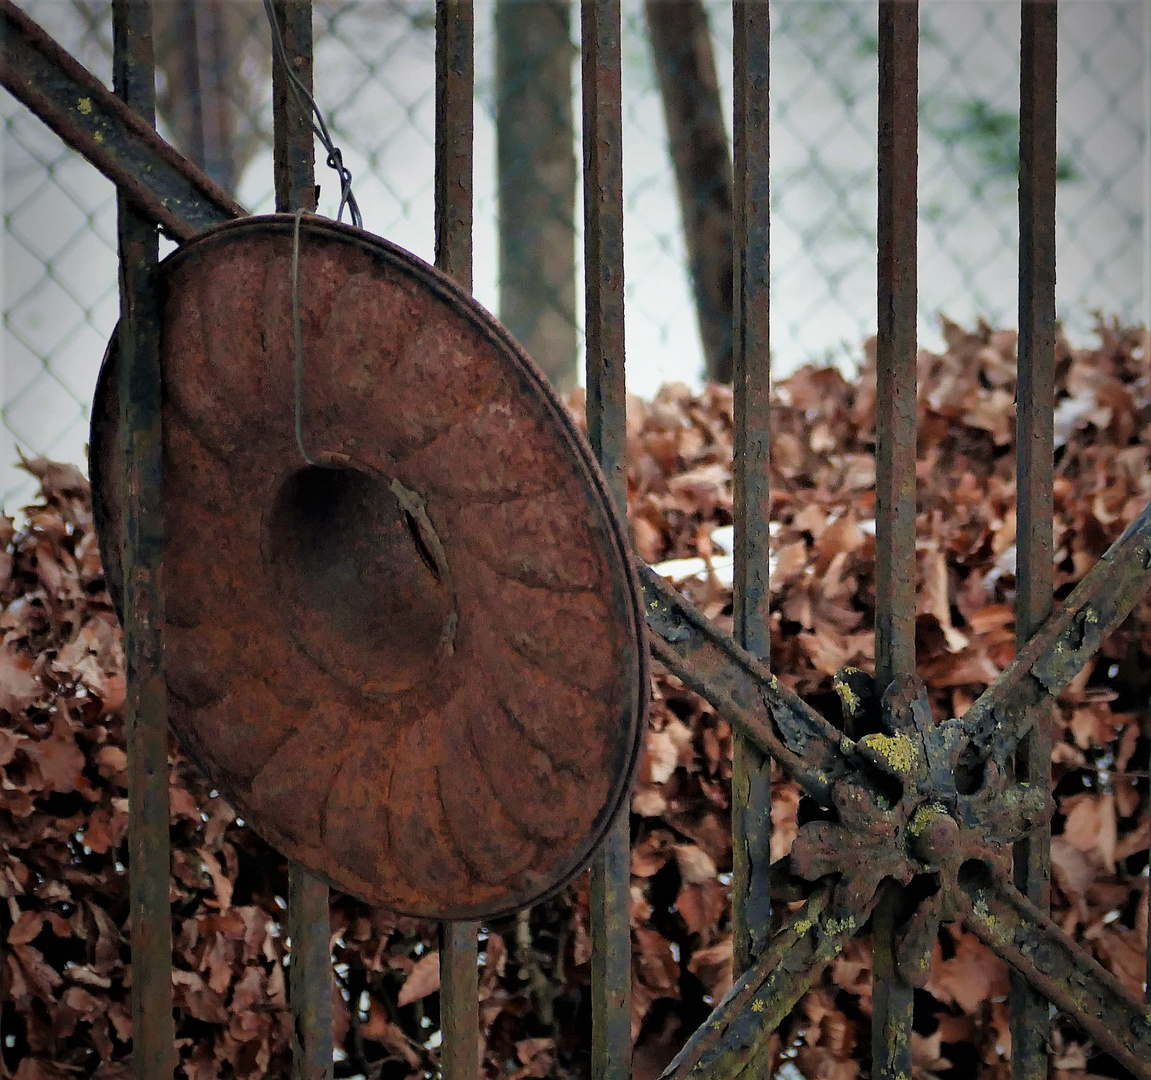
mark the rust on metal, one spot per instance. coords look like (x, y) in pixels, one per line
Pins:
(109, 133)
(901, 817)
(293, 141)
(895, 462)
(140, 485)
(751, 769)
(895, 340)
(455, 90)
(459, 1000)
(1035, 472)
(602, 89)
(416, 667)
(367, 652)
(603, 241)
(309, 920)
(310, 975)
(903, 813)
(733, 1041)
(1065, 641)
(1059, 969)
(743, 691)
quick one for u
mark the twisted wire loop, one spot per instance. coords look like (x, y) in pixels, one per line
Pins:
(335, 157)
(298, 331)
(335, 161)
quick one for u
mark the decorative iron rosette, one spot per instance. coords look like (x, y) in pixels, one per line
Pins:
(417, 667)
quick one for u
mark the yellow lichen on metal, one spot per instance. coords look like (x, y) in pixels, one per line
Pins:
(897, 750)
(841, 926)
(848, 696)
(980, 910)
(923, 817)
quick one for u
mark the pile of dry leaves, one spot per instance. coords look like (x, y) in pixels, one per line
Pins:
(64, 953)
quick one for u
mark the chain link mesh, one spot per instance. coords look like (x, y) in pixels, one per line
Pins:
(374, 78)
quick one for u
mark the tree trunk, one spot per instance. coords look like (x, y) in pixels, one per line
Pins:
(701, 156)
(536, 168)
(211, 54)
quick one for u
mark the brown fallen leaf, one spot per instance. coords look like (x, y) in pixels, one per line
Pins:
(423, 979)
(19, 686)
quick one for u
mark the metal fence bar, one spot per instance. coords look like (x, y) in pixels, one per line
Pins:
(606, 405)
(1035, 471)
(735, 1040)
(310, 976)
(455, 87)
(895, 457)
(78, 107)
(1063, 644)
(739, 687)
(751, 769)
(309, 925)
(149, 854)
(293, 144)
(455, 84)
(459, 1001)
(1059, 969)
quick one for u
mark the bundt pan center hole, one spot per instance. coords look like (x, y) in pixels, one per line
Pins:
(361, 577)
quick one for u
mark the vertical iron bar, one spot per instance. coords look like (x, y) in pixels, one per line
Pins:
(293, 145)
(309, 924)
(310, 976)
(455, 87)
(895, 458)
(751, 775)
(459, 1001)
(606, 405)
(153, 1033)
(603, 240)
(1035, 471)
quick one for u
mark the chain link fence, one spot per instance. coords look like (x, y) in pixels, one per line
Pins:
(374, 78)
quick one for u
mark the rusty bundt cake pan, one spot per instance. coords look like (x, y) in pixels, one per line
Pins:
(417, 667)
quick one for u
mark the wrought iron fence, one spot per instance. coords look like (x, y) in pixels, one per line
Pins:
(913, 823)
(375, 78)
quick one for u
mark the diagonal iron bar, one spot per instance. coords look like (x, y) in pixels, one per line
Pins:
(743, 691)
(734, 1037)
(95, 123)
(1065, 641)
(1059, 969)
